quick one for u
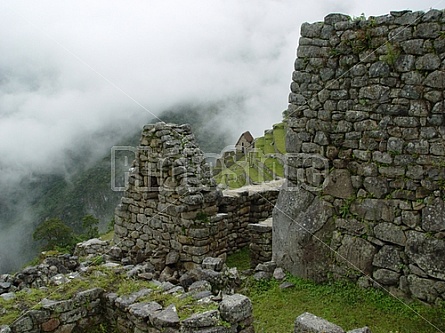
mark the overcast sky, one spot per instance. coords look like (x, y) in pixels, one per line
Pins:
(72, 68)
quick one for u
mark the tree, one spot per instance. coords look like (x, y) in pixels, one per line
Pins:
(90, 226)
(54, 233)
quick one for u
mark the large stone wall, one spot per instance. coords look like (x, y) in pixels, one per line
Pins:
(172, 212)
(366, 164)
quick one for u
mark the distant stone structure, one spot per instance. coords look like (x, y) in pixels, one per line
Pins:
(364, 198)
(244, 143)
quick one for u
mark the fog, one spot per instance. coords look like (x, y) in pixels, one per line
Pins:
(72, 69)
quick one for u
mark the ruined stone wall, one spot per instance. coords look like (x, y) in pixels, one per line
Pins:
(172, 212)
(243, 207)
(170, 204)
(260, 242)
(130, 313)
(366, 141)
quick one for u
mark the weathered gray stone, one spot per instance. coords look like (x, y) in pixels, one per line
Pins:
(124, 301)
(8, 296)
(390, 233)
(376, 186)
(279, 274)
(333, 18)
(405, 63)
(311, 30)
(428, 62)
(204, 319)
(427, 30)
(309, 323)
(426, 252)
(373, 209)
(298, 215)
(287, 285)
(167, 317)
(379, 69)
(5, 329)
(386, 276)
(146, 311)
(422, 288)
(339, 185)
(388, 257)
(351, 225)
(356, 253)
(213, 263)
(235, 308)
(22, 324)
(433, 216)
(436, 80)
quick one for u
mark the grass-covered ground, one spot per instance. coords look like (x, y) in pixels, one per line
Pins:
(344, 304)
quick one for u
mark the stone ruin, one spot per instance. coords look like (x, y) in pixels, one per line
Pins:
(364, 198)
(364, 192)
(170, 204)
(142, 311)
(173, 214)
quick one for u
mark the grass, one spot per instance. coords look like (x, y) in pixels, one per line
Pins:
(268, 147)
(279, 136)
(108, 236)
(342, 303)
(275, 166)
(108, 279)
(239, 259)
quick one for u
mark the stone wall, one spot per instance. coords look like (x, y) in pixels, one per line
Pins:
(366, 140)
(170, 204)
(260, 242)
(201, 301)
(172, 207)
(243, 207)
(129, 313)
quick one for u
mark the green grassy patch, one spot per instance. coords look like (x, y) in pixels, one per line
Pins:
(279, 138)
(239, 259)
(108, 279)
(259, 143)
(274, 166)
(268, 143)
(108, 236)
(344, 304)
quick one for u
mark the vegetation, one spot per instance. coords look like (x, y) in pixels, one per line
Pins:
(54, 233)
(342, 303)
(97, 277)
(264, 163)
(90, 226)
(239, 259)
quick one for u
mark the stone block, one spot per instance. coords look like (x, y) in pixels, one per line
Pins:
(390, 233)
(388, 257)
(204, 319)
(235, 308)
(215, 264)
(309, 323)
(166, 318)
(357, 253)
(433, 216)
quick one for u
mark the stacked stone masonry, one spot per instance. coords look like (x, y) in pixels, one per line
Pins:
(260, 242)
(130, 314)
(210, 306)
(365, 187)
(172, 204)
